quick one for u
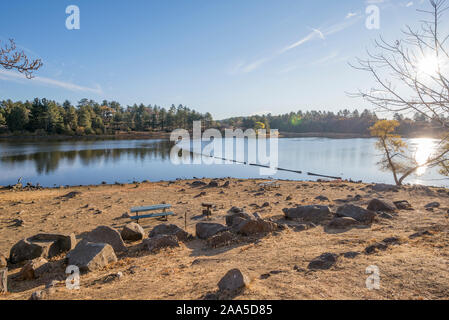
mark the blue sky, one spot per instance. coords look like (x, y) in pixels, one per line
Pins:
(233, 57)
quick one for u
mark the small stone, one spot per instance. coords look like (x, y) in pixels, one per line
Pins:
(403, 205)
(375, 247)
(420, 234)
(432, 205)
(323, 262)
(233, 281)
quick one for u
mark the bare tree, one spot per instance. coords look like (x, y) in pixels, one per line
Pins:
(412, 77)
(11, 58)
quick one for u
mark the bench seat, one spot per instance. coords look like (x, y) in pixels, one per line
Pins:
(153, 215)
(151, 208)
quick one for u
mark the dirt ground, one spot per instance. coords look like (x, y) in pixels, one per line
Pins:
(416, 269)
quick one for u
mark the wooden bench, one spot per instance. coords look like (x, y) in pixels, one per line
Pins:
(162, 207)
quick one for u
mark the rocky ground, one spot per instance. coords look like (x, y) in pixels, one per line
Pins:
(303, 240)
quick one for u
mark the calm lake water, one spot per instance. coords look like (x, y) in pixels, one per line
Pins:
(53, 163)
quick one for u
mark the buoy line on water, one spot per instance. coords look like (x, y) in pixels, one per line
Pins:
(264, 166)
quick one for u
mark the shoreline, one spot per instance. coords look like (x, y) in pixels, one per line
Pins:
(166, 135)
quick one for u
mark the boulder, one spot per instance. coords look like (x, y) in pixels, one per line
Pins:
(235, 210)
(105, 234)
(361, 215)
(25, 250)
(381, 205)
(29, 271)
(207, 230)
(236, 217)
(41, 245)
(90, 256)
(170, 229)
(220, 239)
(251, 227)
(323, 262)
(61, 243)
(233, 281)
(314, 213)
(342, 223)
(161, 241)
(132, 232)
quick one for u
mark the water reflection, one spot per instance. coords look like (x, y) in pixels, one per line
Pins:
(48, 161)
(423, 149)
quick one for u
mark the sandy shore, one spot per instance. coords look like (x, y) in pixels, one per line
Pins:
(276, 264)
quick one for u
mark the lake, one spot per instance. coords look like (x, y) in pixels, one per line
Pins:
(53, 163)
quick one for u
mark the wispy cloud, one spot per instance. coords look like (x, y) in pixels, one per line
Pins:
(331, 57)
(18, 77)
(243, 67)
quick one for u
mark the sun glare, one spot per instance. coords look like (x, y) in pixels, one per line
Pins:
(429, 65)
(424, 149)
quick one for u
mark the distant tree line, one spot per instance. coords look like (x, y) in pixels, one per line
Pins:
(43, 116)
(344, 121)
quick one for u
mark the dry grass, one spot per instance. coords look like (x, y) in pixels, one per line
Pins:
(416, 269)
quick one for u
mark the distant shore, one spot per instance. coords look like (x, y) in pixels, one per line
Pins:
(140, 135)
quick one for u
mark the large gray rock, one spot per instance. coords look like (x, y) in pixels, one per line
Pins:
(251, 227)
(207, 230)
(170, 229)
(25, 250)
(314, 213)
(360, 214)
(236, 217)
(323, 262)
(61, 242)
(90, 256)
(41, 245)
(105, 234)
(132, 232)
(161, 241)
(233, 281)
(381, 205)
